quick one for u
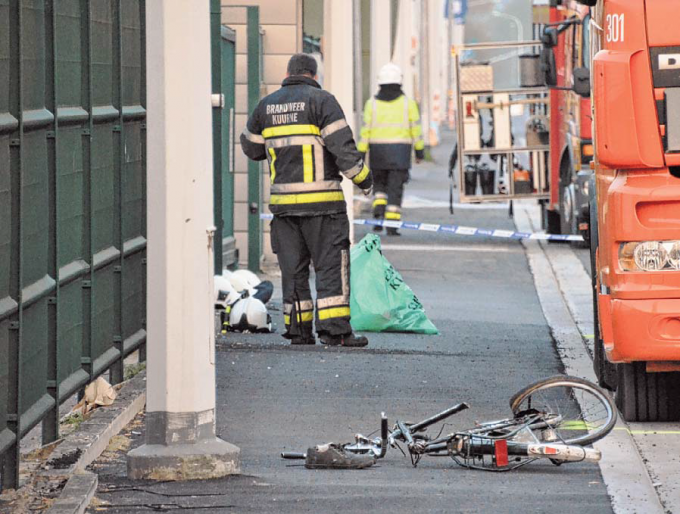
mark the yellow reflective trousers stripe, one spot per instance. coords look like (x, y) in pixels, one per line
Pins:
(291, 130)
(392, 215)
(361, 176)
(334, 196)
(272, 168)
(302, 317)
(334, 312)
(307, 163)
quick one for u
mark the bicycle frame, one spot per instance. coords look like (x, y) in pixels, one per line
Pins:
(494, 438)
(498, 445)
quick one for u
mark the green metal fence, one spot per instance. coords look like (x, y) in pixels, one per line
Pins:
(73, 200)
(72, 205)
(223, 49)
(226, 179)
(255, 65)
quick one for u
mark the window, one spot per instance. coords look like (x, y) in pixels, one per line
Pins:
(312, 26)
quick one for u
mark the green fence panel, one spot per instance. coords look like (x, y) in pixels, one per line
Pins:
(255, 59)
(133, 178)
(228, 42)
(72, 205)
(7, 302)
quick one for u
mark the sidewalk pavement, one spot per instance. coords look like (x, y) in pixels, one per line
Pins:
(273, 397)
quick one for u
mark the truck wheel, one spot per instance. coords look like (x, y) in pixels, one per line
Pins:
(576, 220)
(566, 207)
(568, 214)
(551, 222)
(642, 396)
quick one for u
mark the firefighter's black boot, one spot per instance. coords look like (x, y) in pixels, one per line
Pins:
(391, 231)
(305, 339)
(378, 214)
(349, 340)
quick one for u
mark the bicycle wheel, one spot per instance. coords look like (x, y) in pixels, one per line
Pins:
(584, 412)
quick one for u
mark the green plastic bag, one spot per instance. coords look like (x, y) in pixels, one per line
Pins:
(380, 300)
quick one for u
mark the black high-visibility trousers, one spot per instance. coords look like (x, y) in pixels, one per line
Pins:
(389, 192)
(322, 240)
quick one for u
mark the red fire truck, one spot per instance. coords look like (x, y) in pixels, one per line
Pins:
(565, 62)
(635, 211)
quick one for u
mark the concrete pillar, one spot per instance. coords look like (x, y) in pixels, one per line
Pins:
(339, 73)
(404, 52)
(437, 64)
(425, 72)
(381, 40)
(180, 421)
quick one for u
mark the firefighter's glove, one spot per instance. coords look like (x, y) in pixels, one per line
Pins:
(368, 192)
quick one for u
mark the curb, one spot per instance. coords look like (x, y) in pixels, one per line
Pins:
(624, 473)
(76, 495)
(86, 444)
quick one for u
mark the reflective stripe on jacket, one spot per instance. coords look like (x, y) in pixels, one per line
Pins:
(391, 129)
(301, 130)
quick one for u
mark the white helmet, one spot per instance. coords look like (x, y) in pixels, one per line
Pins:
(224, 292)
(390, 74)
(250, 314)
(246, 276)
(245, 280)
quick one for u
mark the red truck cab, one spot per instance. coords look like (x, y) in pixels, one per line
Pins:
(635, 241)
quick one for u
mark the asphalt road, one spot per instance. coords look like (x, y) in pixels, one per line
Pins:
(494, 340)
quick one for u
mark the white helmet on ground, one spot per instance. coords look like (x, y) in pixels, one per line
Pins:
(224, 292)
(249, 314)
(390, 74)
(245, 280)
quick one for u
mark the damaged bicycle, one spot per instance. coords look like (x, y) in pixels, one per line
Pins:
(556, 418)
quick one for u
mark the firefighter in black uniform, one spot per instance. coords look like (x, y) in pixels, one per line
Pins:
(302, 131)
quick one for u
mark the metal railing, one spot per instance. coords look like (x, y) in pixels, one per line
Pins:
(72, 205)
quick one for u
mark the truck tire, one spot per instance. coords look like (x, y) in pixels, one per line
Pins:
(566, 204)
(604, 370)
(642, 396)
(579, 244)
(551, 222)
(569, 211)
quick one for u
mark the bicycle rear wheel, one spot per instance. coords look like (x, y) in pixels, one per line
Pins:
(584, 411)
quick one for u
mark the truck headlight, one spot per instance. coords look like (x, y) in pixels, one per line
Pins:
(650, 256)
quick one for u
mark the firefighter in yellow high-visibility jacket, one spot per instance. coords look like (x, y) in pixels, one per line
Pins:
(390, 133)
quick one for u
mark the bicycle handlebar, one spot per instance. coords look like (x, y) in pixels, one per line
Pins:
(438, 417)
(412, 429)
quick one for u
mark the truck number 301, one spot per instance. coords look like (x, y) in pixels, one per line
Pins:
(615, 28)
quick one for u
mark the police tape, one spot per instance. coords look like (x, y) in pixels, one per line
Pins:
(459, 230)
